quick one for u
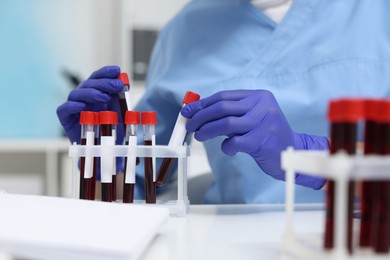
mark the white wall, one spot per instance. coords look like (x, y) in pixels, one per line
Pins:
(40, 37)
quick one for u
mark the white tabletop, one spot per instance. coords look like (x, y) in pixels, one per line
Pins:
(230, 232)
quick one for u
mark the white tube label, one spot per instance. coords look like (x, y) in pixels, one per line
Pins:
(106, 162)
(130, 167)
(179, 132)
(127, 98)
(114, 159)
(154, 158)
(88, 162)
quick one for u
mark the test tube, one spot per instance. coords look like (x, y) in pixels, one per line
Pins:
(381, 201)
(371, 141)
(124, 98)
(87, 122)
(149, 120)
(108, 122)
(91, 196)
(124, 95)
(336, 144)
(177, 138)
(132, 120)
(343, 115)
(114, 164)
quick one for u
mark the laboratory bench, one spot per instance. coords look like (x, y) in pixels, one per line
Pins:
(231, 232)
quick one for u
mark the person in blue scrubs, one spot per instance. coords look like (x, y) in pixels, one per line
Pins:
(229, 50)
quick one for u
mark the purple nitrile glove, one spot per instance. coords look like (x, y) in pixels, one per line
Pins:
(254, 124)
(98, 93)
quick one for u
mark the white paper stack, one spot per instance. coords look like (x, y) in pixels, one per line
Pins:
(38, 227)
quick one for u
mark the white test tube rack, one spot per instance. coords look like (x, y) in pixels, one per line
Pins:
(177, 208)
(341, 168)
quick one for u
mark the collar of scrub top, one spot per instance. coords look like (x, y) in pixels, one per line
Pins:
(284, 32)
(275, 9)
(266, 4)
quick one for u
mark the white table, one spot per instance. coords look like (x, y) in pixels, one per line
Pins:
(230, 232)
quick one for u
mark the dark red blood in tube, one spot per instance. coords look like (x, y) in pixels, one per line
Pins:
(87, 122)
(381, 216)
(128, 188)
(106, 130)
(82, 171)
(150, 185)
(131, 120)
(167, 163)
(149, 120)
(163, 171)
(107, 121)
(371, 111)
(343, 115)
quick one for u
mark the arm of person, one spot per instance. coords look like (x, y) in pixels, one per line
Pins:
(253, 123)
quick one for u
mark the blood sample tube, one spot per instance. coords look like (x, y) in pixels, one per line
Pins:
(381, 207)
(124, 98)
(114, 163)
(108, 122)
(371, 142)
(177, 138)
(132, 119)
(149, 120)
(91, 196)
(336, 144)
(87, 121)
(124, 95)
(343, 115)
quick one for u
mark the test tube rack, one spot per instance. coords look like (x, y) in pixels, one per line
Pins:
(177, 208)
(341, 168)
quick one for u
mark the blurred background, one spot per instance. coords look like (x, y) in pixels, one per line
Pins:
(46, 48)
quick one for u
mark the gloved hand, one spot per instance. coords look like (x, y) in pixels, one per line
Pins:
(254, 124)
(98, 93)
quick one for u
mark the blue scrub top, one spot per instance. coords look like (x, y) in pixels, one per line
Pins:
(322, 49)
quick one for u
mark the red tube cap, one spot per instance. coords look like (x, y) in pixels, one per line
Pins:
(149, 118)
(352, 110)
(372, 109)
(125, 78)
(346, 110)
(108, 118)
(87, 118)
(334, 111)
(190, 97)
(384, 108)
(97, 118)
(132, 118)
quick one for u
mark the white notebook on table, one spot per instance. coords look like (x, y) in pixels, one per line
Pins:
(38, 227)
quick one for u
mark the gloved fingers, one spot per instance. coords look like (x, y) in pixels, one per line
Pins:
(238, 143)
(68, 114)
(233, 95)
(227, 126)
(106, 72)
(69, 108)
(89, 96)
(104, 85)
(190, 109)
(219, 110)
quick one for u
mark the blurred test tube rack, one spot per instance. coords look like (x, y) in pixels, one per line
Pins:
(341, 168)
